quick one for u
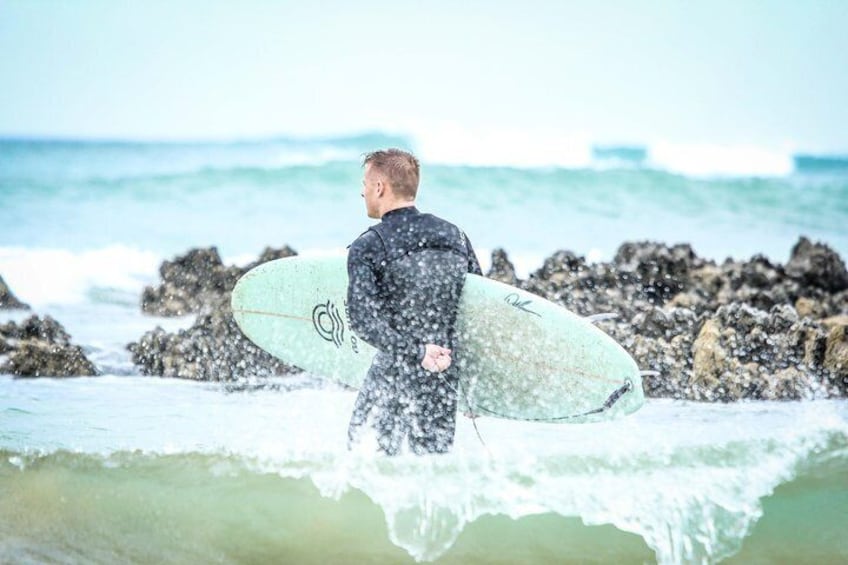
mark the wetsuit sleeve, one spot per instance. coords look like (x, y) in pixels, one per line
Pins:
(473, 263)
(365, 307)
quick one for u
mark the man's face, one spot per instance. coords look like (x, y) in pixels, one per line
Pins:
(372, 189)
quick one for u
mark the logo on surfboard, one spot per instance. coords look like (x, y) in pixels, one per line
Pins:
(514, 300)
(328, 323)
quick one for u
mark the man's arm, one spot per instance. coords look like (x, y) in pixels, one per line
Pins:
(364, 305)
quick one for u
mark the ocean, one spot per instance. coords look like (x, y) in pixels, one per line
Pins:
(126, 468)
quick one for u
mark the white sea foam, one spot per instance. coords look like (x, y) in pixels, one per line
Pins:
(720, 160)
(440, 143)
(687, 477)
(50, 276)
(449, 143)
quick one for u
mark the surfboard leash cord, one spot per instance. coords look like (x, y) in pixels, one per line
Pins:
(608, 403)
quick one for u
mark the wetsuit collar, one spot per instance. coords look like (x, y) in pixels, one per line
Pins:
(400, 212)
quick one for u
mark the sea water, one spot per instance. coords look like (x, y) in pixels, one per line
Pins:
(122, 467)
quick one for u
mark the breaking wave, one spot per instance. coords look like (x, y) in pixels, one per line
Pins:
(691, 481)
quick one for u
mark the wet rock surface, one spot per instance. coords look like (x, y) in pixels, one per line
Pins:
(502, 268)
(213, 348)
(815, 264)
(196, 280)
(751, 329)
(740, 330)
(8, 301)
(40, 347)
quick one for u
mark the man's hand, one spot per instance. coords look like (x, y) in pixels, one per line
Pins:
(436, 358)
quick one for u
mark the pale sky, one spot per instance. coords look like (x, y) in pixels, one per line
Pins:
(766, 73)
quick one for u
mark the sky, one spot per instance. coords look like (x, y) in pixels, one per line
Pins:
(759, 73)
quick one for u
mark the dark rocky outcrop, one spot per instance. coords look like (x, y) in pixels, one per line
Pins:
(8, 301)
(188, 282)
(750, 329)
(817, 265)
(502, 269)
(197, 279)
(213, 348)
(744, 329)
(40, 347)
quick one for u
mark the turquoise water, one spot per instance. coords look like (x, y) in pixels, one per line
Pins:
(144, 470)
(163, 198)
(127, 468)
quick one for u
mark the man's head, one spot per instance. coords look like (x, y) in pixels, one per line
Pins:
(390, 181)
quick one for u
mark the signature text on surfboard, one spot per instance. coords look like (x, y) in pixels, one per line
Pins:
(514, 300)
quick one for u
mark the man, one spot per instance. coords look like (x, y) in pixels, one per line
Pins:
(406, 275)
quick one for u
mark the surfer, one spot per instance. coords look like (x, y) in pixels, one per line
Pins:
(406, 274)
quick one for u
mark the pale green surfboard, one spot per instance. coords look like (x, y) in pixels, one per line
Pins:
(521, 356)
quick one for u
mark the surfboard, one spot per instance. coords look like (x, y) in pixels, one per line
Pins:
(520, 356)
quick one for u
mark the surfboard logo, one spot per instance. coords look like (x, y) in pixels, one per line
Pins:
(328, 323)
(514, 300)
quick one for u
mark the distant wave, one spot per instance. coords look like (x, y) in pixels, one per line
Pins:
(76, 160)
(365, 141)
(821, 163)
(445, 145)
(42, 277)
(620, 155)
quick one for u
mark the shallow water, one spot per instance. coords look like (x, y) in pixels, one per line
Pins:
(145, 469)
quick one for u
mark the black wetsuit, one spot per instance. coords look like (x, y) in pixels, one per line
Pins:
(406, 274)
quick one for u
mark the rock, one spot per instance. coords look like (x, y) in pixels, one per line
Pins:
(809, 308)
(751, 329)
(833, 321)
(743, 352)
(836, 356)
(787, 384)
(814, 342)
(739, 330)
(40, 347)
(36, 328)
(658, 322)
(38, 358)
(664, 357)
(502, 269)
(188, 283)
(757, 282)
(690, 300)
(213, 349)
(817, 265)
(759, 272)
(709, 279)
(194, 281)
(561, 263)
(270, 254)
(662, 271)
(837, 303)
(9, 301)
(709, 357)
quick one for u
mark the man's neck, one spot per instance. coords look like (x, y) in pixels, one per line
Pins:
(397, 206)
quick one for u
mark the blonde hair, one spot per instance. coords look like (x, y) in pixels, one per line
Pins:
(400, 168)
